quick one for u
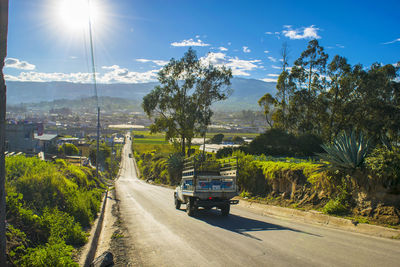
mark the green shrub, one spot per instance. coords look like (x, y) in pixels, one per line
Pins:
(245, 194)
(217, 139)
(384, 163)
(51, 254)
(62, 227)
(340, 204)
(335, 206)
(68, 149)
(46, 205)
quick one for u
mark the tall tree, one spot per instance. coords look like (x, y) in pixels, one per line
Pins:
(3, 90)
(282, 86)
(180, 105)
(342, 84)
(307, 78)
(267, 102)
(377, 106)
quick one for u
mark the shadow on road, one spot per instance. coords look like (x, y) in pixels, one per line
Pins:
(241, 225)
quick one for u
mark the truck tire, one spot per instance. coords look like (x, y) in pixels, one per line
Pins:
(190, 208)
(177, 203)
(225, 210)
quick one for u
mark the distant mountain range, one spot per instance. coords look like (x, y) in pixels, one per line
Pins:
(246, 92)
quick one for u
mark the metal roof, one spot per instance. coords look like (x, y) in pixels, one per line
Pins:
(45, 137)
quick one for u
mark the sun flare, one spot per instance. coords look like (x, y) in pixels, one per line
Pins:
(74, 14)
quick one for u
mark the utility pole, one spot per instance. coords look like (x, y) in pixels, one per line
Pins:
(3, 102)
(112, 158)
(95, 92)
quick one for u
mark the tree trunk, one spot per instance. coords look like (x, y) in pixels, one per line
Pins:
(3, 54)
(183, 147)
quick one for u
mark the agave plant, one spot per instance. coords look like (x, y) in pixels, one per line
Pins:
(347, 152)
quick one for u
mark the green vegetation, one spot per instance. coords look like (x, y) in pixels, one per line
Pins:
(105, 155)
(68, 150)
(327, 98)
(181, 104)
(47, 206)
(346, 153)
(384, 164)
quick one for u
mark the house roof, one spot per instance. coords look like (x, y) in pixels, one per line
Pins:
(45, 137)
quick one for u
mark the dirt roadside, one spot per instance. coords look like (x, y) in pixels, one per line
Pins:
(114, 235)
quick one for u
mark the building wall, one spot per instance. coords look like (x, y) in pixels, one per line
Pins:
(19, 138)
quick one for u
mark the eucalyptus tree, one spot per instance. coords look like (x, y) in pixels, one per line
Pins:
(268, 103)
(181, 104)
(342, 86)
(307, 81)
(377, 107)
(283, 88)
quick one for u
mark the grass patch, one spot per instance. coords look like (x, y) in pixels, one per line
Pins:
(149, 141)
(158, 148)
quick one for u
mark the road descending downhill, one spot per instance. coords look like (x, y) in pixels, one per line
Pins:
(160, 235)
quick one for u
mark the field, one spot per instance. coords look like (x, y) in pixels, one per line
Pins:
(156, 142)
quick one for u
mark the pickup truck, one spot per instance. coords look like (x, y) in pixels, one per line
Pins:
(207, 184)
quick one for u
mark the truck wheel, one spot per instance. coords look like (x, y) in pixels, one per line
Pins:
(225, 210)
(190, 208)
(177, 203)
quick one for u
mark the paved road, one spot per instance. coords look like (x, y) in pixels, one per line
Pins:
(160, 235)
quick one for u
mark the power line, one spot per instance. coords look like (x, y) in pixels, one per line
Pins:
(95, 91)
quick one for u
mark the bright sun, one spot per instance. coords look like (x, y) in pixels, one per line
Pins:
(74, 14)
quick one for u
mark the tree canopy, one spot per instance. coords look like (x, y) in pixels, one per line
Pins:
(326, 98)
(181, 104)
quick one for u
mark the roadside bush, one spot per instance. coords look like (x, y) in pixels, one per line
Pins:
(340, 204)
(384, 163)
(250, 176)
(47, 203)
(51, 254)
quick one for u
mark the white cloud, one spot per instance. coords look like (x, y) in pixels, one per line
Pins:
(276, 67)
(302, 33)
(18, 64)
(266, 51)
(273, 75)
(391, 42)
(339, 45)
(190, 42)
(221, 48)
(113, 74)
(246, 49)
(229, 43)
(269, 80)
(239, 67)
(269, 33)
(34, 76)
(116, 74)
(155, 61)
(272, 59)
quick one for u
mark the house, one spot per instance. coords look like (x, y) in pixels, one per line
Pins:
(46, 142)
(20, 137)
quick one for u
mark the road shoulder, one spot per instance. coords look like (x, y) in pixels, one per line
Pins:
(318, 218)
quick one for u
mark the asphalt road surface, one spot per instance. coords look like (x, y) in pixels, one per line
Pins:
(160, 235)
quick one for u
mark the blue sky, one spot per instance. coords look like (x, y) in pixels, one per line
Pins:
(134, 38)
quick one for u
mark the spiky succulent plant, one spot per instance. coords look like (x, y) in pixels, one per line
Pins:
(347, 152)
